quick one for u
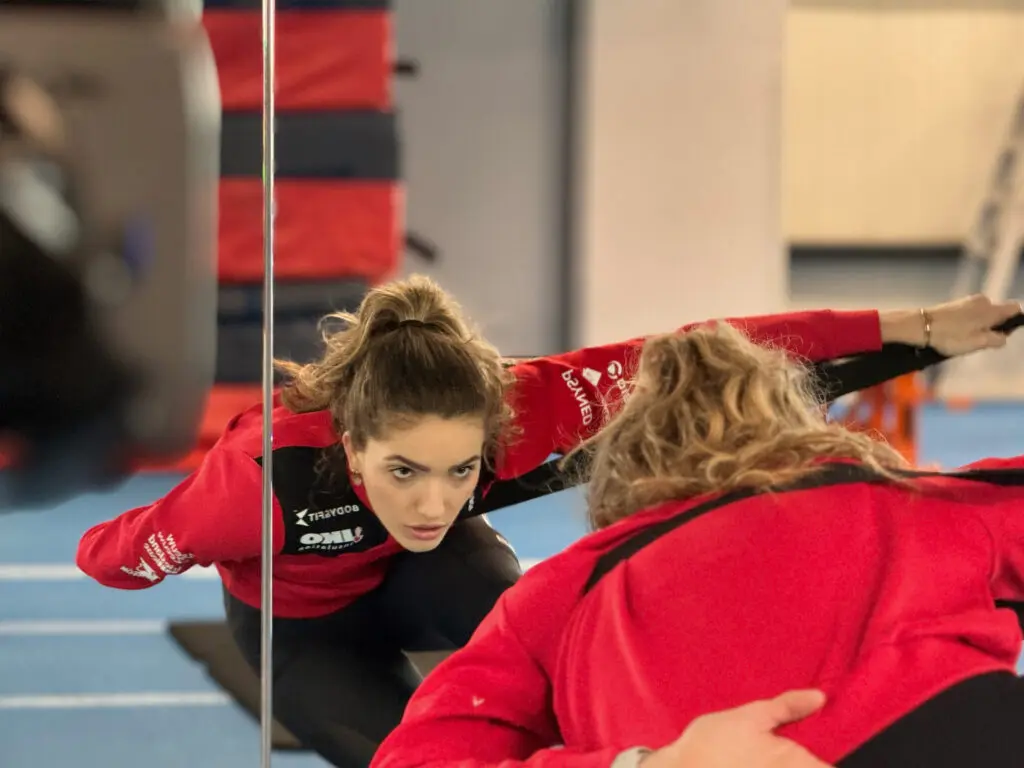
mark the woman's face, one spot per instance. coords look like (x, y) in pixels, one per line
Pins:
(418, 477)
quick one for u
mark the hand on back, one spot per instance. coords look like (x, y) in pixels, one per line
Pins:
(743, 737)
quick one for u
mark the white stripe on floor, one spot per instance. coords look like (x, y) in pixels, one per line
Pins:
(116, 700)
(70, 572)
(84, 627)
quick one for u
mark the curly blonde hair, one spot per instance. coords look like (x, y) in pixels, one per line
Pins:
(709, 412)
(407, 352)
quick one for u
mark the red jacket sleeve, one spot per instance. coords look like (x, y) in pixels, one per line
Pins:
(816, 335)
(213, 515)
(561, 400)
(1003, 515)
(488, 704)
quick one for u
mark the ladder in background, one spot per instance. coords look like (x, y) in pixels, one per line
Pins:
(990, 261)
(991, 253)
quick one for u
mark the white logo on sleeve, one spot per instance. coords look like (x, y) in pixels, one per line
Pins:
(300, 517)
(143, 571)
(615, 372)
(160, 553)
(579, 394)
(594, 377)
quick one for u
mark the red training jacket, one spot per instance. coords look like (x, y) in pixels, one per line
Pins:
(879, 595)
(330, 546)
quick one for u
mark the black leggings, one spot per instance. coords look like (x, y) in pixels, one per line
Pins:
(341, 682)
(976, 724)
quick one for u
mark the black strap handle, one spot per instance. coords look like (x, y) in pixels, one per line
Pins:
(828, 476)
(422, 247)
(406, 68)
(852, 374)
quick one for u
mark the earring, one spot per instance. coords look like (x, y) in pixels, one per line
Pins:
(357, 478)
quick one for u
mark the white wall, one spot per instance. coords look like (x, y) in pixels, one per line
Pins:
(482, 144)
(680, 165)
(894, 112)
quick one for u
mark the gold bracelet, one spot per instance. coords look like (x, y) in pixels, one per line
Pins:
(927, 319)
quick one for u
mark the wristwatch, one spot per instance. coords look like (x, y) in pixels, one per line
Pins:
(630, 758)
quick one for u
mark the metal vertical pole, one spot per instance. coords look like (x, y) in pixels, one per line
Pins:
(267, 555)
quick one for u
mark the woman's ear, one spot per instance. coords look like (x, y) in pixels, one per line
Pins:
(350, 453)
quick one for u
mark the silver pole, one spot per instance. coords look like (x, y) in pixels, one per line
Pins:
(267, 556)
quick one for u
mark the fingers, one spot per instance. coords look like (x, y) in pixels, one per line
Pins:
(785, 708)
(993, 340)
(1004, 310)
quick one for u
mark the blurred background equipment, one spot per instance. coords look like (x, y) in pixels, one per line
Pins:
(108, 146)
(339, 225)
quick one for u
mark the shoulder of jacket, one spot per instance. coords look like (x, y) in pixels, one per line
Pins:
(244, 433)
(551, 587)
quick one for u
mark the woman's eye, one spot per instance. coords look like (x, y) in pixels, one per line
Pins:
(464, 472)
(402, 473)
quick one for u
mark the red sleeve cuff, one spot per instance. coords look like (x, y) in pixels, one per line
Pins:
(852, 332)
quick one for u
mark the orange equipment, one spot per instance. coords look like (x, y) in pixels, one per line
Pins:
(890, 411)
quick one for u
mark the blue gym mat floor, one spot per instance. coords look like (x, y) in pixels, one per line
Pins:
(89, 677)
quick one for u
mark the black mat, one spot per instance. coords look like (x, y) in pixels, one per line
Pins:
(210, 644)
